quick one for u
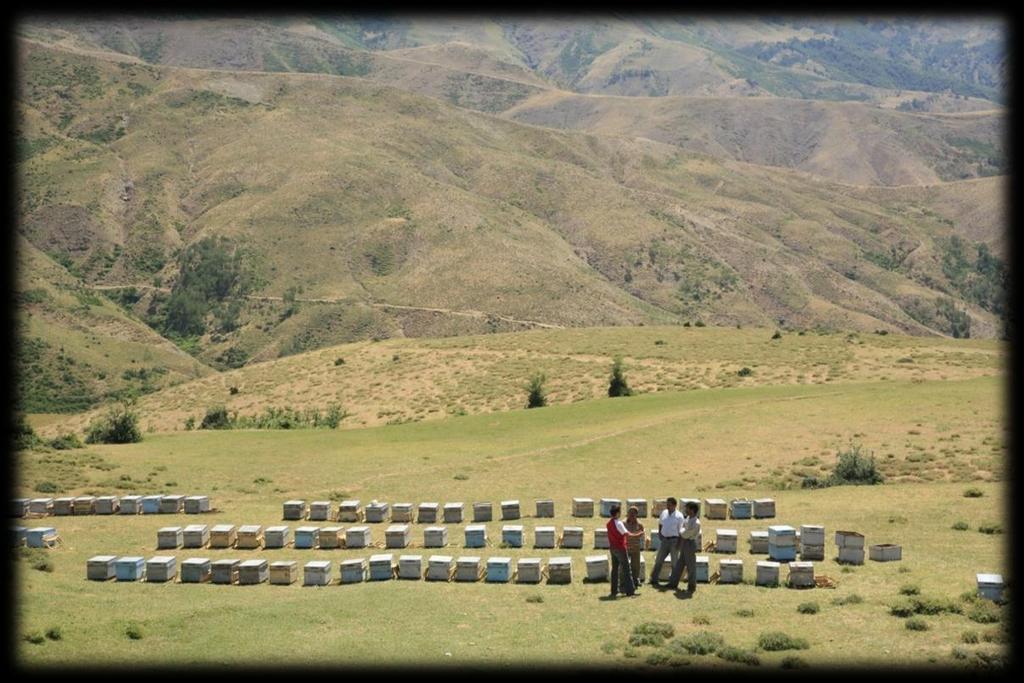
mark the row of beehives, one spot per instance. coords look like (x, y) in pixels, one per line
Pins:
(110, 505)
(37, 537)
(452, 513)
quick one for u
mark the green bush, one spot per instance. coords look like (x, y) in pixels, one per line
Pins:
(652, 639)
(973, 493)
(777, 335)
(133, 631)
(699, 643)
(699, 323)
(794, 662)
(855, 467)
(54, 633)
(47, 487)
(916, 624)
(910, 589)
(535, 392)
(983, 612)
(339, 361)
(969, 637)
(745, 372)
(960, 652)
(991, 528)
(617, 384)
(960, 526)
(777, 640)
(64, 442)
(851, 599)
(745, 612)
(35, 637)
(735, 654)
(701, 620)
(120, 424)
(660, 628)
(535, 598)
(808, 608)
(216, 418)
(43, 564)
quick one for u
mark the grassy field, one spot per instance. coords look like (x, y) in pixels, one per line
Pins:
(719, 442)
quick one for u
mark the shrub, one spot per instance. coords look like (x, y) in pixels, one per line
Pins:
(777, 640)
(652, 639)
(659, 342)
(701, 620)
(535, 392)
(991, 528)
(855, 467)
(54, 633)
(794, 662)
(960, 526)
(735, 654)
(960, 652)
(808, 608)
(461, 477)
(232, 390)
(216, 418)
(983, 612)
(777, 335)
(190, 424)
(617, 385)
(973, 493)
(535, 598)
(661, 628)
(699, 643)
(47, 487)
(119, 425)
(909, 589)
(65, 442)
(43, 564)
(699, 323)
(133, 631)
(969, 637)
(658, 658)
(744, 372)
(916, 624)
(35, 637)
(339, 361)
(745, 612)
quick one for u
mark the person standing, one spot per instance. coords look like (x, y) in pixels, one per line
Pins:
(617, 535)
(688, 540)
(634, 543)
(669, 523)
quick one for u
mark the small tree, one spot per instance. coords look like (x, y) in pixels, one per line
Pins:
(119, 425)
(618, 386)
(855, 467)
(216, 418)
(536, 397)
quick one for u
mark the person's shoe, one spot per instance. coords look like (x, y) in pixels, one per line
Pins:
(613, 595)
(633, 594)
(672, 587)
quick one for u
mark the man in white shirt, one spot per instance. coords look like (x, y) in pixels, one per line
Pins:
(688, 540)
(669, 524)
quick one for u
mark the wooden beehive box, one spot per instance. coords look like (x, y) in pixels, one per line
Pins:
(528, 570)
(18, 535)
(252, 572)
(401, 512)
(499, 570)
(715, 508)
(316, 573)
(730, 571)
(597, 568)
(196, 570)
(397, 536)
(991, 586)
(382, 567)
(377, 512)
(320, 510)
(758, 542)
(483, 512)
(107, 505)
(130, 568)
(63, 506)
(131, 505)
(100, 568)
(560, 570)
(510, 509)
(172, 505)
(435, 537)
(545, 508)
(169, 537)
(410, 566)
(885, 552)
(467, 568)
(250, 537)
(348, 511)
(284, 572)
(295, 510)
(353, 571)
(812, 534)
(764, 507)
(639, 503)
(427, 513)
(84, 505)
(276, 537)
(572, 537)
(223, 536)
(582, 507)
(658, 506)
(195, 505)
(741, 508)
(160, 568)
(439, 567)
(19, 507)
(849, 539)
(195, 536)
(512, 535)
(307, 537)
(801, 574)
(40, 537)
(851, 555)
(453, 513)
(331, 537)
(601, 538)
(40, 506)
(725, 540)
(606, 506)
(767, 573)
(150, 505)
(358, 537)
(476, 536)
(812, 552)
(544, 537)
(703, 568)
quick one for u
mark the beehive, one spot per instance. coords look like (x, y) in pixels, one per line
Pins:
(545, 508)
(435, 537)
(653, 540)
(725, 540)
(252, 572)
(100, 568)
(741, 508)
(306, 537)
(639, 503)
(223, 536)
(767, 573)
(401, 512)
(764, 507)
(758, 542)
(195, 536)
(851, 555)
(781, 543)
(195, 505)
(40, 506)
(601, 538)
(683, 501)
(161, 568)
(172, 505)
(572, 537)
(19, 507)
(377, 512)
(476, 536)
(382, 567)
(849, 539)
(353, 571)
(130, 568)
(582, 507)
(544, 537)
(18, 534)
(316, 573)
(812, 552)
(510, 509)
(331, 537)
(597, 567)
(812, 534)
(990, 586)
(801, 574)
(715, 508)
(453, 513)
(284, 572)
(348, 511)
(169, 537)
(560, 570)
(658, 506)
(107, 505)
(196, 570)
(467, 569)
(277, 537)
(512, 535)
(295, 509)
(225, 571)
(730, 571)
(396, 536)
(483, 512)
(357, 537)
(131, 505)
(703, 568)
(40, 537)
(320, 510)
(410, 566)
(250, 536)
(150, 505)
(885, 552)
(63, 506)
(528, 570)
(499, 569)
(439, 567)
(606, 506)
(84, 505)
(427, 513)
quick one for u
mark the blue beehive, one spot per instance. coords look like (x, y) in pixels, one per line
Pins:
(499, 569)
(476, 536)
(741, 508)
(130, 568)
(781, 553)
(781, 543)
(382, 567)
(703, 568)
(306, 537)
(196, 570)
(512, 535)
(36, 538)
(150, 505)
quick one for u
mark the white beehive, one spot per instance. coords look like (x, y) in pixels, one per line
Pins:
(40, 506)
(885, 552)
(767, 573)
(316, 573)
(357, 537)
(601, 538)
(476, 536)
(195, 505)
(639, 503)
(161, 568)
(499, 570)
(703, 568)
(582, 507)
(130, 568)
(545, 508)
(849, 539)
(353, 571)
(307, 537)
(295, 510)
(467, 569)
(758, 542)
(453, 513)
(483, 512)
(320, 510)
(658, 506)
(512, 535)
(544, 537)
(131, 505)
(715, 508)
(63, 506)
(382, 567)
(172, 505)
(741, 508)
(348, 511)
(284, 572)
(606, 506)
(377, 512)
(223, 536)
(510, 509)
(851, 555)
(812, 534)
(195, 536)
(764, 507)
(331, 537)
(410, 566)
(782, 535)
(801, 574)
(401, 512)
(812, 552)
(101, 567)
(85, 505)
(107, 505)
(427, 513)
(528, 570)
(597, 567)
(435, 537)
(990, 586)
(572, 537)
(725, 540)
(653, 540)
(196, 570)
(560, 570)
(252, 572)
(225, 571)
(439, 567)
(169, 537)
(277, 537)
(250, 536)
(730, 571)
(396, 536)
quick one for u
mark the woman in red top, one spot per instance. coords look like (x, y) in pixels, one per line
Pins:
(617, 534)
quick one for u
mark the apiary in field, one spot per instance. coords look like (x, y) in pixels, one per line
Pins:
(767, 573)
(572, 537)
(560, 570)
(130, 568)
(169, 537)
(658, 506)
(284, 572)
(759, 542)
(131, 505)
(544, 537)
(597, 567)
(172, 505)
(781, 543)
(225, 571)
(316, 573)
(307, 537)
(84, 505)
(40, 537)
(252, 572)
(885, 552)
(512, 535)
(358, 537)
(990, 586)
(725, 540)
(467, 569)
(741, 508)
(476, 536)
(151, 505)
(606, 506)
(499, 569)
(601, 538)
(40, 506)
(639, 503)
(196, 570)
(161, 568)
(250, 537)
(764, 507)
(703, 569)
(730, 571)
(19, 507)
(801, 574)
(510, 509)
(397, 536)
(382, 567)
(331, 537)
(427, 513)
(107, 505)
(348, 511)
(483, 512)
(353, 571)
(63, 506)
(410, 566)
(715, 508)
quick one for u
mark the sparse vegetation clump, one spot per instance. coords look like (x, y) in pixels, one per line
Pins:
(617, 384)
(54, 633)
(973, 493)
(133, 631)
(744, 372)
(853, 466)
(991, 528)
(699, 643)
(65, 442)
(808, 608)
(536, 397)
(851, 599)
(916, 624)
(651, 633)
(910, 589)
(777, 640)
(739, 656)
(217, 417)
(120, 424)
(794, 662)
(961, 526)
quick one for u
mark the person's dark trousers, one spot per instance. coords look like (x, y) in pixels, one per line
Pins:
(688, 558)
(621, 575)
(668, 545)
(634, 566)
